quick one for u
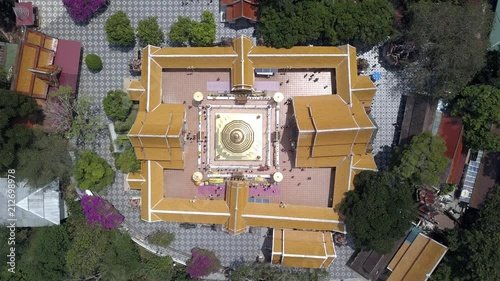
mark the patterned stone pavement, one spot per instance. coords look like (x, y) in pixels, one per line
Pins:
(230, 248)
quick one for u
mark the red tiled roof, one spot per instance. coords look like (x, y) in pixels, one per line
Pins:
(236, 9)
(451, 130)
(68, 58)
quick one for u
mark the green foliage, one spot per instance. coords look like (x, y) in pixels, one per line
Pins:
(159, 269)
(163, 239)
(180, 30)
(93, 62)
(46, 159)
(490, 74)
(478, 106)
(474, 253)
(86, 123)
(378, 211)
(258, 271)
(44, 257)
(446, 188)
(121, 259)
(125, 126)
(14, 137)
(127, 161)
(7, 16)
(450, 45)
(92, 172)
(149, 32)
(4, 79)
(117, 105)
(203, 33)
(423, 160)
(119, 31)
(284, 24)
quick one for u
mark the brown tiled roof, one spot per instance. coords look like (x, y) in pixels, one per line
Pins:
(236, 9)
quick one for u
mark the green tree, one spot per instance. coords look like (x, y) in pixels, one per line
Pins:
(180, 30)
(450, 45)
(127, 161)
(86, 123)
(119, 31)
(378, 211)
(149, 32)
(117, 105)
(423, 160)
(92, 172)
(474, 252)
(14, 108)
(478, 106)
(490, 74)
(159, 269)
(46, 159)
(93, 62)
(203, 33)
(4, 79)
(44, 257)
(121, 260)
(7, 16)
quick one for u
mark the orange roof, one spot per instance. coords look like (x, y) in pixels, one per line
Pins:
(417, 260)
(330, 129)
(307, 249)
(334, 131)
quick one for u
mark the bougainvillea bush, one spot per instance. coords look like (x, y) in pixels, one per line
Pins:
(100, 212)
(202, 263)
(83, 10)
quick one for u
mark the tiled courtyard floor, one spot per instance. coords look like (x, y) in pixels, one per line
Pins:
(229, 248)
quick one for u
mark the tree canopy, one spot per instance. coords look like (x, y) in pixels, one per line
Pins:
(423, 160)
(14, 136)
(474, 251)
(450, 45)
(149, 32)
(44, 257)
(100, 212)
(378, 211)
(259, 271)
(119, 32)
(7, 16)
(92, 172)
(46, 159)
(203, 32)
(180, 31)
(479, 108)
(284, 24)
(117, 105)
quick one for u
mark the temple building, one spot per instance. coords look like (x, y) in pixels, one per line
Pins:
(251, 136)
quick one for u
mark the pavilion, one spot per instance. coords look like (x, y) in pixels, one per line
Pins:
(227, 136)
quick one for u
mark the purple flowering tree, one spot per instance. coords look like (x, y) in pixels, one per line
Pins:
(100, 212)
(82, 10)
(202, 263)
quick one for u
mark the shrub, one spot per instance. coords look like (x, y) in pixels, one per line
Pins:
(127, 161)
(119, 31)
(93, 62)
(149, 32)
(83, 10)
(124, 126)
(117, 105)
(100, 212)
(202, 263)
(163, 239)
(92, 172)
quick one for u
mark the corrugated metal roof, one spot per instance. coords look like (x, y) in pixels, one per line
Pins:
(34, 206)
